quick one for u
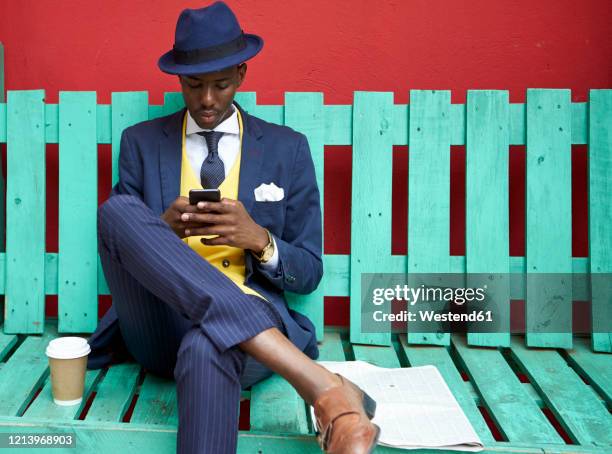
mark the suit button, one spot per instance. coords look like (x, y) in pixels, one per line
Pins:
(290, 279)
(226, 263)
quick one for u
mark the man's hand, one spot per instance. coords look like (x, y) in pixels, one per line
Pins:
(174, 216)
(229, 220)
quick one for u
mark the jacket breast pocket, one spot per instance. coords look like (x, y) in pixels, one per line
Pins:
(269, 214)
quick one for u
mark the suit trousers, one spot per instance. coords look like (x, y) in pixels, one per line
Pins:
(180, 316)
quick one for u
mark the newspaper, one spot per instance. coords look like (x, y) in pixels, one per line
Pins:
(415, 408)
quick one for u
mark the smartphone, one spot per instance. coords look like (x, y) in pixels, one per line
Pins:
(204, 195)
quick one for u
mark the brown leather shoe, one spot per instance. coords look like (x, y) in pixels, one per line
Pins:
(343, 416)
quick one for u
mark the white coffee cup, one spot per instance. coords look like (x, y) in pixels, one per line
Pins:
(68, 364)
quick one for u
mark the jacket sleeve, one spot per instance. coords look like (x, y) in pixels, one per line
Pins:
(300, 244)
(130, 169)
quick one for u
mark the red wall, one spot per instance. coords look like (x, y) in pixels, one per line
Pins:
(334, 47)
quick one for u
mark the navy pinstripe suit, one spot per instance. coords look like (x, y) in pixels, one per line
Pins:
(178, 315)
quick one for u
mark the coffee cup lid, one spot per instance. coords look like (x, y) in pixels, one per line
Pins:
(68, 347)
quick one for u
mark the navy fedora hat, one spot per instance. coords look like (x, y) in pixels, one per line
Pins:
(208, 39)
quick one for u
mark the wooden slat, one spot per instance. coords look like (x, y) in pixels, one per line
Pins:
(121, 437)
(518, 131)
(600, 213)
(274, 398)
(98, 438)
(304, 113)
(486, 242)
(247, 100)
(25, 229)
(157, 402)
(128, 108)
(578, 410)
(338, 125)
(272, 114)
(423, 355)
(513, 410)
(338, 130)
(528, 388)
(370, 206)
(78, 202)
(277, 408)
(139, 438)
(24, 373)
(2, 216)
(517, 124)
(331, 349)
(381, 356)
(51, 260)
(337, 274)
(428, 199)
(457, 124)
(173, 101)
(580, 131)
(596, 367)
(399, 124)
(2, 123)
(2, 126)
(7, 342)
(114, 393)
(102, 284)
(51, 123)
(44, 407)
(548, 307)
(155, 111)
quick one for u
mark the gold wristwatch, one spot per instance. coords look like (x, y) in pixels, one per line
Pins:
(268, 251)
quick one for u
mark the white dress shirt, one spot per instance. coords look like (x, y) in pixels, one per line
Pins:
(228, 148)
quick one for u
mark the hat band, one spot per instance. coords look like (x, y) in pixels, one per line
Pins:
(190, 57)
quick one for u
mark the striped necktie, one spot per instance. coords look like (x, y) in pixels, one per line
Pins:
(212, 172)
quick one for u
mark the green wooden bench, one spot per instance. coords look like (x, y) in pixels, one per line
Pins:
(568, 384)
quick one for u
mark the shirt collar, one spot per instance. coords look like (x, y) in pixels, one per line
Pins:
(228, 126)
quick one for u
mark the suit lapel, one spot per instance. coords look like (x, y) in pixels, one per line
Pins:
(251, 160)
(170, 156)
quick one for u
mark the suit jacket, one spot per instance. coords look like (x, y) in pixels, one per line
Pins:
(150, 168)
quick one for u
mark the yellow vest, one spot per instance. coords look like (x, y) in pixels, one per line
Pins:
(216, 255)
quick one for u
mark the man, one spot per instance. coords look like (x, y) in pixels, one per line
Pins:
(198, 290)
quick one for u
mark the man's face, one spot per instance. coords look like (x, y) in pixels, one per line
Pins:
(208, 96)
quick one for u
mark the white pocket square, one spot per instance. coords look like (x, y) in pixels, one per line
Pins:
(269, 193)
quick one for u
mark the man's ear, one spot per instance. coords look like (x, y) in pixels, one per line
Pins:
(242, 69)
